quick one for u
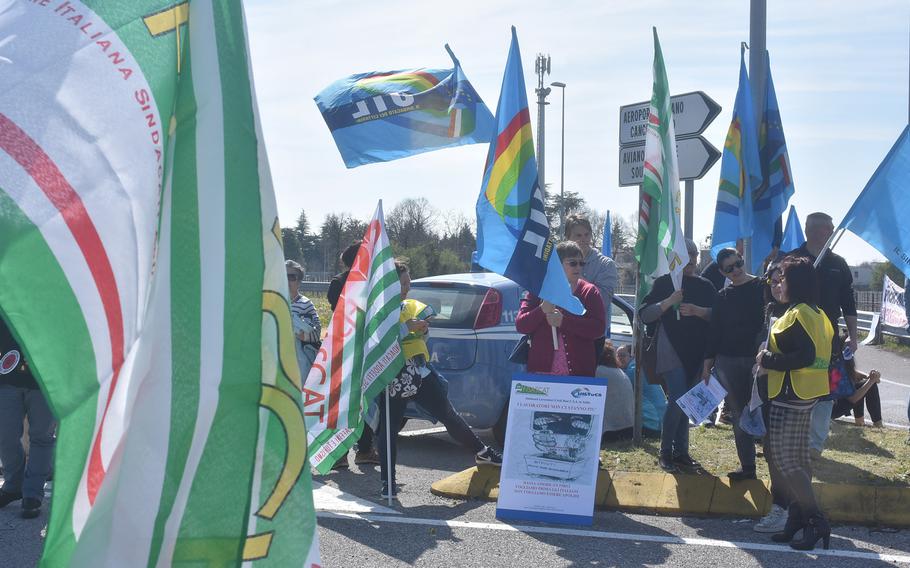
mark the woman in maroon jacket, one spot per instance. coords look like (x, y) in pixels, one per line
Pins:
(574, 353)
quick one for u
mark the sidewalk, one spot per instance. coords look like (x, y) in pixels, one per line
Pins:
(676, 495)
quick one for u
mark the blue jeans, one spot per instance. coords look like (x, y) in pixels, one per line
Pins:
(674, 437)
(17, 403)
(820, 424)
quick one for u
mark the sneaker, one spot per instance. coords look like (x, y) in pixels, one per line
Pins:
(7, 498)
(815, 454)
(740, 475)
(685, 461)
(773, 522)
(31, 508)
(342, 463)
(367, 457)
(666, 464)
(488, 456)
(384, 493)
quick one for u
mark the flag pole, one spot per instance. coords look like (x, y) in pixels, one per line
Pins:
(388, 449)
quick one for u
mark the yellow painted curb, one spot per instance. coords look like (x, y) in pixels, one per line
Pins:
(749, 498)
(702, 495)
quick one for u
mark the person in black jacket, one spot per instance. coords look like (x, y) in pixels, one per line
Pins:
(337, 283)
(736, 322)
(20, 399)
(683, 315)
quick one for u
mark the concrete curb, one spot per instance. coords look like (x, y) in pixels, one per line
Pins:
(703, 495)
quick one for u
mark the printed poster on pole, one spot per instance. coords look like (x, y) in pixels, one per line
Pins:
(549, 470)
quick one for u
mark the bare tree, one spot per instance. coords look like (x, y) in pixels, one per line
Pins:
(412, 222)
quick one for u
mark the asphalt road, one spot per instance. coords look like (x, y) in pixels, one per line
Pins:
(895, 386)
(357, 529)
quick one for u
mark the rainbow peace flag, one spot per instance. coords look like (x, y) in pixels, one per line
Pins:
(513, 235)
(740, 171)
(385, 115)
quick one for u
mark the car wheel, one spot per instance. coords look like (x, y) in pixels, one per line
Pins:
(499, 429)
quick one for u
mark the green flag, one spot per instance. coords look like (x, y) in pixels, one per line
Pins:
(661, 246)
(143, 274)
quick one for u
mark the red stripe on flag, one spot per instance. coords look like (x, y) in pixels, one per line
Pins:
(653, 170)
(505, 137)
(28, 154)
(654, 119)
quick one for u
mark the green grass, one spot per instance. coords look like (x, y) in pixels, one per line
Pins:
(897, 345)
(864, 456)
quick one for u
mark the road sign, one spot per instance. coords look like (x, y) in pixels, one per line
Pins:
(692, 113)
(696, 156)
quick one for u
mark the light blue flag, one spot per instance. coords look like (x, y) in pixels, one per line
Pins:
(793, 233)
(513, 235)
(386, 115)
(879, 215)
(606, 248)
(777, 187)
(740, 170)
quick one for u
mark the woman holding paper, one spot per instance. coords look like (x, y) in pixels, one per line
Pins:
(796, 363)
(682, 318)
(562, 343)
(736, 322)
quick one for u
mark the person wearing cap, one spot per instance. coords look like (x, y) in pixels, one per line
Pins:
(682, 317)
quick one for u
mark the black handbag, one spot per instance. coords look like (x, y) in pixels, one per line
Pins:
(520, 351)
(647, 355)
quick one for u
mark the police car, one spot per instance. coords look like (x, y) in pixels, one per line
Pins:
(472, 336)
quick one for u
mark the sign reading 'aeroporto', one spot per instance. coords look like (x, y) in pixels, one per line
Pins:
(692, 113)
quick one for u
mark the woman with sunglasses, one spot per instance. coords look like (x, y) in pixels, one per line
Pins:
(736, 322)
(683, 317)
(574, 352)
(796, 365)
(304, 318)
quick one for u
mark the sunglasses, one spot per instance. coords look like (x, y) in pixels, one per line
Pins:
(293, 277)
(731, 267)
(574, 263)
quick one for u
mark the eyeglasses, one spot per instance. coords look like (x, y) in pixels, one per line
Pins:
(574, 263)
(293, 277)
(731, 267)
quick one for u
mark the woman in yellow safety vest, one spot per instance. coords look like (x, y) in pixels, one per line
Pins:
(796, 361)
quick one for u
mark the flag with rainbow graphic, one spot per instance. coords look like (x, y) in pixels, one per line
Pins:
(386, 115)
(513, 234)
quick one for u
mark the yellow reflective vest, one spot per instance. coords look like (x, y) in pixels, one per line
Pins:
(413, 343)
(812, 381)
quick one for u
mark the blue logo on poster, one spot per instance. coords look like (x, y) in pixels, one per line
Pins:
(583, 392)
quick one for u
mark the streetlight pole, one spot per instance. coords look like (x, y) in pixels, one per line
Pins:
(541, 67)
(562, 161)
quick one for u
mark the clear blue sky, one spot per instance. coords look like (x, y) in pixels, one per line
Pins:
(840, 69)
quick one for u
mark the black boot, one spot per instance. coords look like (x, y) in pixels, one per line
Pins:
(817, 528)
(795, 522)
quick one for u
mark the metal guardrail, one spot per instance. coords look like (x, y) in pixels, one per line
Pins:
(314, 287)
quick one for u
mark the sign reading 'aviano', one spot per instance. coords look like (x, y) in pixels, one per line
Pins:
(692, 113)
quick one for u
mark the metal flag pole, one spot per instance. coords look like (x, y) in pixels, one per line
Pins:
(388, 450)
(636, 342)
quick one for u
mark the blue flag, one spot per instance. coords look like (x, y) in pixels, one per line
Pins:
(777, 186)
(793, 233)
(606, 248)
(513, 235)
(879, 214)
(386, 115)
(740, 171)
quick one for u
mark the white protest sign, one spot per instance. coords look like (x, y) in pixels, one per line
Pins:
(549, 470)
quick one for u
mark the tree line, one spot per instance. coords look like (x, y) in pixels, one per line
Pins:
(434, 242)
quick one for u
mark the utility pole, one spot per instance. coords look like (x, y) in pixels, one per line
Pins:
(758, 73)
(541, 67)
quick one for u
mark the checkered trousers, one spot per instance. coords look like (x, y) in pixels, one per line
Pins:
(789, 436)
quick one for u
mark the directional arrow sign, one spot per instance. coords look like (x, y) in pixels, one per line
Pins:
(696, 156)
(692, 113)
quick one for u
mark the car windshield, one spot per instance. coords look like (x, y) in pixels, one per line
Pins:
(454, 306)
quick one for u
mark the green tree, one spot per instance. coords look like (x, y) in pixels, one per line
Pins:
(291, 245)
(880, 269)
(574, 204)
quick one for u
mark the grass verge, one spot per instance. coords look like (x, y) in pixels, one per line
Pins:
(853, 455)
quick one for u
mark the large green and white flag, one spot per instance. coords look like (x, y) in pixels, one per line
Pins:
(361, 353)
(661, 246)
(141, 269)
